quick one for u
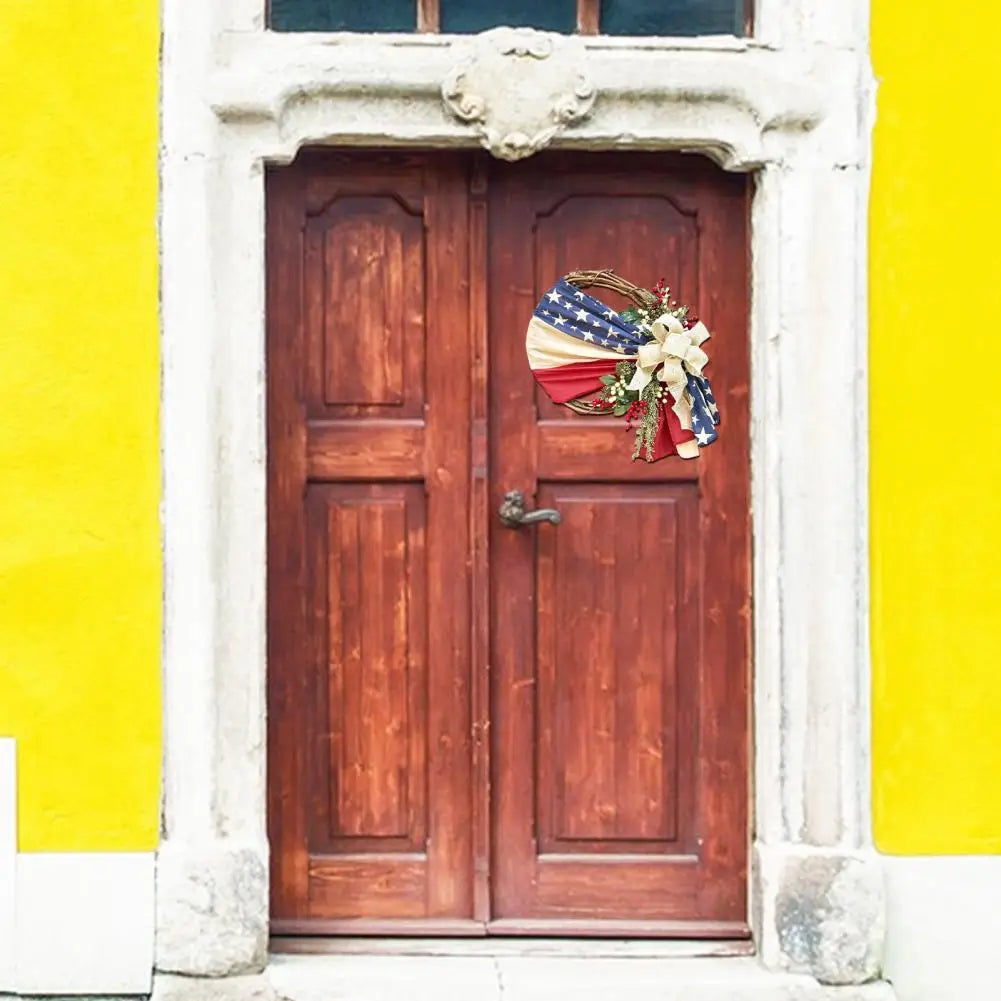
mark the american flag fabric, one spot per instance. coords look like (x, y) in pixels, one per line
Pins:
(573, 339)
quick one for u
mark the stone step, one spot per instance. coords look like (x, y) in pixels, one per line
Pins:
(354, 977)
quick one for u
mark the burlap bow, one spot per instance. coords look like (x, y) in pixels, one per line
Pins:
(676, 352)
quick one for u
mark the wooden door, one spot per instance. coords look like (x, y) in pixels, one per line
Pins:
(368, 592)
(475, 729)
(620, 636)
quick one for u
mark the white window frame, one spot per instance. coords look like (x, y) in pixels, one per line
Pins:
(792, 105)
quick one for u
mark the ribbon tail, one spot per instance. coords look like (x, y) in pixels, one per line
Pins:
(682, 408)
(683, 441)
(698, 333)
(676, 382)
(695, 360)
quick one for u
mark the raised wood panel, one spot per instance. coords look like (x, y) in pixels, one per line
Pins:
(367, 544)
(370, 886)
(618, 886)
(643, 237)
(615, 616)
(365, 265)
(598, 449)
(365, 450)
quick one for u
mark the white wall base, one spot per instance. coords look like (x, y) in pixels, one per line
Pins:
(8, 859)
(84, 923)
(944, 916)
(71, 922)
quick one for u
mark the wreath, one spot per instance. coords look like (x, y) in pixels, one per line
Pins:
(645, 363)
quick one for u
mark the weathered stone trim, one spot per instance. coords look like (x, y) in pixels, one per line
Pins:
(386, 90)
(71, 923)
(821, 911)
(793, 105)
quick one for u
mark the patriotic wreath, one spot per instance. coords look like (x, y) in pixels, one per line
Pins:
(645, 364)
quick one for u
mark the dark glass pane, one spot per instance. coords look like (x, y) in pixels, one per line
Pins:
(344, 15)
(672, 17)
(463, 16)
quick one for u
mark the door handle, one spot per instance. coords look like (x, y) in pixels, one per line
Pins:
(513, 514)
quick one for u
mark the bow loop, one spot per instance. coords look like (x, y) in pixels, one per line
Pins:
(674, 350)
(672, 355)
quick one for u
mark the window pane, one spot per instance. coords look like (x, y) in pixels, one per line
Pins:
(672, 17)
(462, 16)
(344, 15)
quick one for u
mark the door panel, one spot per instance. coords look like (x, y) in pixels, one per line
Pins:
(365, 545)
(609, 700)
(383, 366)
(368, 621)
(620, 637)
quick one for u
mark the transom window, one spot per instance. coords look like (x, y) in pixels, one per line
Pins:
(588, 17)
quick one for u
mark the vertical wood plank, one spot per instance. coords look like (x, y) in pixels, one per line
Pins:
(726, 553)
(288, 585)
(479, 527)
(447, 466)
(512, 466)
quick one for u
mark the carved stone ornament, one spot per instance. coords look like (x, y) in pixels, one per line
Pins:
(520, 87)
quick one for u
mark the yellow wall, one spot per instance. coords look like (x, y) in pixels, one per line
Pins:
(79, 534)
(79, 540)
(935, 288)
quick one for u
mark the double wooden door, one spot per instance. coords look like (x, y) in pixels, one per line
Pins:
(477, 729)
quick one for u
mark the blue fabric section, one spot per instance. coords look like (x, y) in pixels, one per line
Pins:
(576, 314)
(705, 413)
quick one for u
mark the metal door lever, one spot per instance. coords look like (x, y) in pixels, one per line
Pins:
(513, 514)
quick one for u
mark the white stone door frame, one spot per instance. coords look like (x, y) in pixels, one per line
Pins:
(793, 106)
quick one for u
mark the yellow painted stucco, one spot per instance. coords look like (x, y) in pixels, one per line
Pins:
(79, 456)
(79, 538)
(935, 284)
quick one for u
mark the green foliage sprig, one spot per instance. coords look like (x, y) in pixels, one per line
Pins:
(643, 411)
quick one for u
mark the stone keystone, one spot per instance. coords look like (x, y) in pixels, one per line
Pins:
(520, 88)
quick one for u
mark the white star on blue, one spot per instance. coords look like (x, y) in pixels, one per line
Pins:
(576, 313)
(705, 414)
